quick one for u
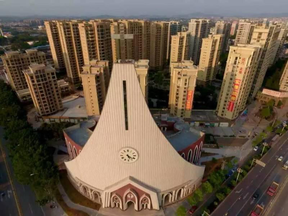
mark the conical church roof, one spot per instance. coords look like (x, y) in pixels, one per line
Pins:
(126, 123)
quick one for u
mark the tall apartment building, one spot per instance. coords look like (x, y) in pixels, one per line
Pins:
(224, 28)
(267, 38)
(199, 29)
(15, 62)
(239, 74)
(55, 43)
(95, 81)
(234, 27)
(180, 47)
(71, 48)
(284, 79)
(1, 32)
(44, 89)
(182, 88)
(209, 59)
(244, 32)
(280, 41)
(130, 39)
(95, 37)
(159, 44)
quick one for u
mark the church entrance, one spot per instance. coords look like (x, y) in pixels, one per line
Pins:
(130, 205)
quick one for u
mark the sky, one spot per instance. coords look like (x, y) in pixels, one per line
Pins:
(140, 7)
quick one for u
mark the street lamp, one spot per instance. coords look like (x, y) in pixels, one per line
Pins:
(239, 170)
(265, 144)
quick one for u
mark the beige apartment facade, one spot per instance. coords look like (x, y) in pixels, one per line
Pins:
(244, 32)
(240, 70)
(234, 27)
(44, 89)
(95, 81)
(209, 58)
(267, 38)
(71, 48)
(55, 43)
(159, 44)
(284, 79)
(95, 39)
(15, 62)
(224, 28)
(182, 88)
(180, 47)
(199, 29)
(130, 39)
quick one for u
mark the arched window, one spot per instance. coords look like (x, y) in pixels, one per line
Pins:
(195, 158)
(75, 152)
(189, 157)
(183, 155)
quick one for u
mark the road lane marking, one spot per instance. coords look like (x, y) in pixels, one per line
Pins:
(257, 189)
(246, 195)
(30, 208)
(43, 211)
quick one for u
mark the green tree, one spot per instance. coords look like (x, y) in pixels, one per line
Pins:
(271, 103)
(193, 200)
(279, 104)
(220, 196)
(226, 190)
(234, 183)
(207, 187)
(199, 194)
(265, 112)
(181, 211)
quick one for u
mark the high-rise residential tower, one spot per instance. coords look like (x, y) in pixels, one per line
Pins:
(180, 47)
(224, 28)
(209, 59)
(267, 38)
(244, 32)
(175, 27)
(44, 89)
(15, 62)
(239, 74)
(284, 79)
(71, 48)
(95, 37)
(199, 29)
(159, 44)
(130, 39)
(182, 88)
(55, 44)
(95, 80)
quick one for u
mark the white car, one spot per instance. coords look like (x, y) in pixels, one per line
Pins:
(256, 148)
(280, 158)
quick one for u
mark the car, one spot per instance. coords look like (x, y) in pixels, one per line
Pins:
(256, 148)
(280, 158)
(255, 196)
(192, 210)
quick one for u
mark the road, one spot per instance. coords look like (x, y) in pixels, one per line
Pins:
(26, 197)
(238, 203)
(279, 207)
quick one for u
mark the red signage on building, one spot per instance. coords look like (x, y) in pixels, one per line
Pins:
(189, 100)
(234, 95)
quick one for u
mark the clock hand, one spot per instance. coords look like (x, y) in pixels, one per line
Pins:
(128, 156)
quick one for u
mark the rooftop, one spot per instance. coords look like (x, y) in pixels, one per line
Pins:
(80, 133)
(74, 107)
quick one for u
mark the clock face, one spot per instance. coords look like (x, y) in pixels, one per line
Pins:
(128, 155)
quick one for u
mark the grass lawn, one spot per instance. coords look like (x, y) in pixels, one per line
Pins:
(69, 211)
(74, 195)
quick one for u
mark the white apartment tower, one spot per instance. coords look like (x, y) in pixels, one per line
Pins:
(244, 32)
(284, 79)
(240, 70)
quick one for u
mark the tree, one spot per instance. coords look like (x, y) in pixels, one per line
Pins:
(279, 104)
(226, 190)
(181, 211)
(193, 200)
(220, 196)
(271, 103)
(207, 187)
(199, 194)
(234, 183)
(265, 112)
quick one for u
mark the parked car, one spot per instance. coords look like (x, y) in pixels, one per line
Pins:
(192, 210)
(280, 158)
(255, 196)
(256, 148)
